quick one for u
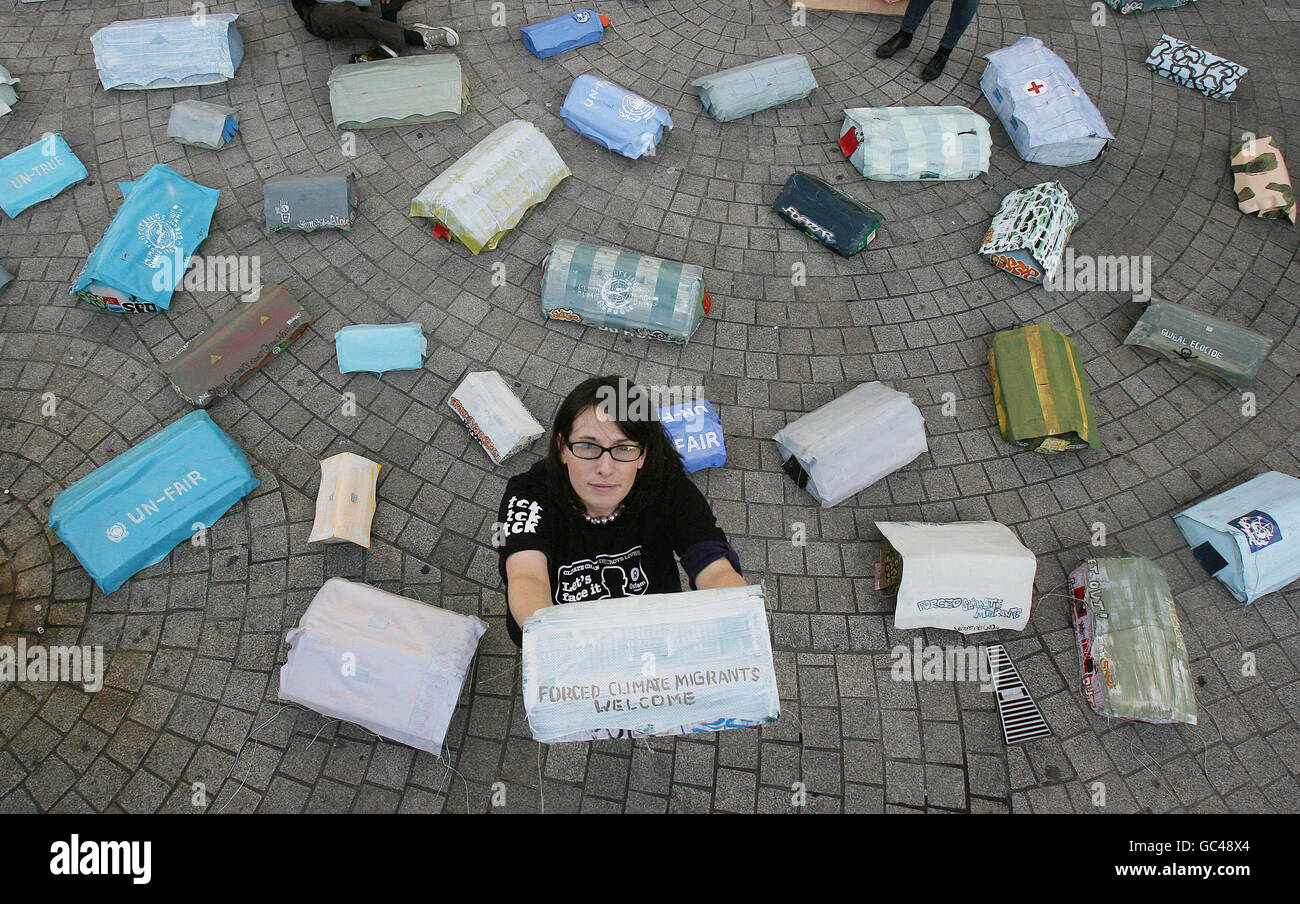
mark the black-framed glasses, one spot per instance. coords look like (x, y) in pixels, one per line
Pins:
(624, 452)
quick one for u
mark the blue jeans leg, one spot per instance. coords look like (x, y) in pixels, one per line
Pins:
(916, 10)
(963, 11)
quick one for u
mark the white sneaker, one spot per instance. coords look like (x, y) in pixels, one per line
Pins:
(437, 36)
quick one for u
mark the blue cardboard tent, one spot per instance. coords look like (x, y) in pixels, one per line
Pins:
(695, 430)
(379, 347)
(1249, 536)
(745, 90)
(37, 173)
(142, 257)
(567, 31)
(614, 117)
(130, 513)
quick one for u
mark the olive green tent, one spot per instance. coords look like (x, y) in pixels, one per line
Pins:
(1041, 390)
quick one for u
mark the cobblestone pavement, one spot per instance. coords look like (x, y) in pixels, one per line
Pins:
(193, 645)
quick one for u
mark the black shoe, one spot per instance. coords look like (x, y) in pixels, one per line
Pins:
(934, 68)
(893, 45)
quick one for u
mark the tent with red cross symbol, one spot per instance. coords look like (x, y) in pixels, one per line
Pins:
(1042, 105)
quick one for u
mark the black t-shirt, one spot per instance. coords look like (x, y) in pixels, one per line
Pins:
(630, 556)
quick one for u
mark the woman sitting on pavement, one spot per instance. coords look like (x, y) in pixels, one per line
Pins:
(374, 19)
(602, 516)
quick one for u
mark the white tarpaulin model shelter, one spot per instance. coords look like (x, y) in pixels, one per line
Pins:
(382, 661)
(850, 443)
(969, 576)
(493, 414)
(661, 664)
(345, 503)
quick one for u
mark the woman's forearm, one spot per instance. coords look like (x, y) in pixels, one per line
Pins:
(719, 573)
(525, 596)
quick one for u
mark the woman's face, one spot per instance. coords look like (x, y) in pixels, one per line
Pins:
(604, 483)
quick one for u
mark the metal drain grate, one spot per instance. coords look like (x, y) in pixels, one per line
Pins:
(1021, 720)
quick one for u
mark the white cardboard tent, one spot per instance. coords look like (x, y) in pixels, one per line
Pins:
(969, 576)
(851, 442)
(382, 661)
(493, 414)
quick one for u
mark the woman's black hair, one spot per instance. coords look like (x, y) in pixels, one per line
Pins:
(663, 463)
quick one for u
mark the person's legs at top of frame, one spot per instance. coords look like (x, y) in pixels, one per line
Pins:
(963, 11)
(378, 21)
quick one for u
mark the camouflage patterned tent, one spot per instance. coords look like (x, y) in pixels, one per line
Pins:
(1260, 180)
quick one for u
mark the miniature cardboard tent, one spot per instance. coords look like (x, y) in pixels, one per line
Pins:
(398, 92)
(493, 415)
(1189, 65)
(1124, 7)
(483, 195)
(1206, 344)
(1042, 105)
(1028, 234)
(1131, 649)
(970, 576)
(1040, 390)
(311, 202)
(1249, 536)
(345, 502)
(696, 432)
(202, 125)
(745, 90)
(617, 289)
(236, 346)
(130, 513)
(893, 144)
(852, 442)
(614, 117)
(823, 212)
(37, 173)
(144, 251)
(408, 662)
(380, 347)
(710, 666)
(168, 52)
(8, 96)
(1260, 180)
(567, 31)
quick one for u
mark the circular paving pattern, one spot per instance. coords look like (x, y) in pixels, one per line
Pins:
(189, 708)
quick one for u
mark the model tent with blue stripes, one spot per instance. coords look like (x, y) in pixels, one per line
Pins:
(1042, 105)
(133, 511)
(1249, 536)
(585, 675)
(898, 144)
(168, 52)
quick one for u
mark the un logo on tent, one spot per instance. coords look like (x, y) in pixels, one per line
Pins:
(616, 294)
(581, 16)
(116, 533)
(635, 109)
